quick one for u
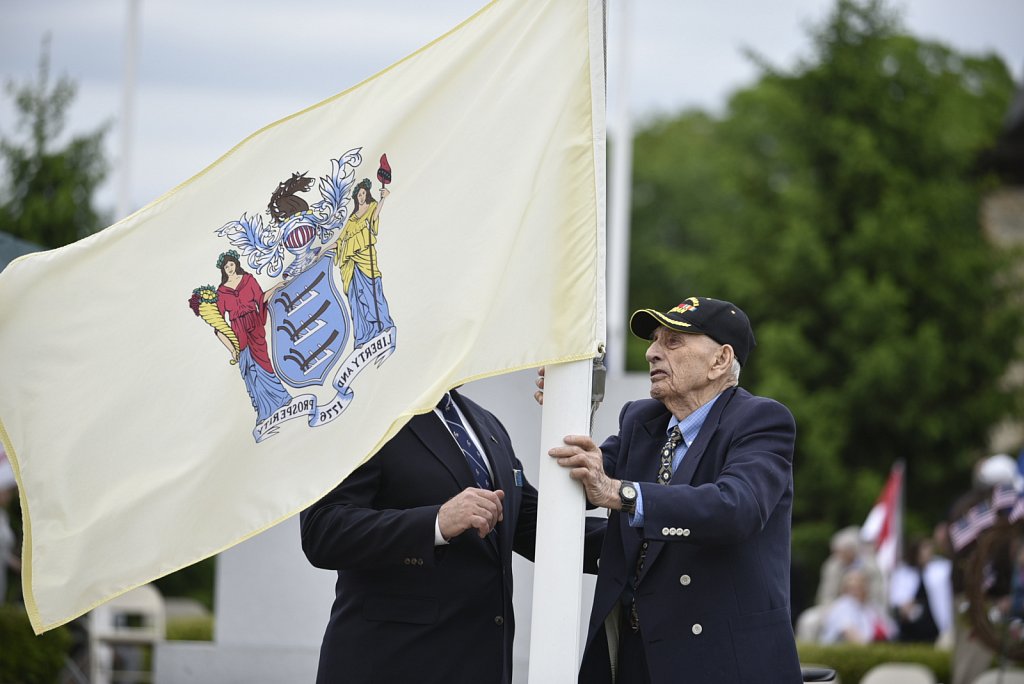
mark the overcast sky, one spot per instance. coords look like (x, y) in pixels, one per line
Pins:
(210, 72)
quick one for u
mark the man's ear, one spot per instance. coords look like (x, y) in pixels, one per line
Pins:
(722, 361)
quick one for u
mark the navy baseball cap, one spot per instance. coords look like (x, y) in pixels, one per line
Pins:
(722, 321)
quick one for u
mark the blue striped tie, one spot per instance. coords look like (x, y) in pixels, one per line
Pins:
(461, 435)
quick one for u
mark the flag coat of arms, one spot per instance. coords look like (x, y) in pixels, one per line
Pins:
(221, 359)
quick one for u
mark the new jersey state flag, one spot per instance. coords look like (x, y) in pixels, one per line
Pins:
(221, 359)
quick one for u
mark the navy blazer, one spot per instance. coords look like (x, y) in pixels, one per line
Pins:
(713, 598)
(405, 610)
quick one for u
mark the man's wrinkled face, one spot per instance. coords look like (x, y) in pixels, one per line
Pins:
(679, 363)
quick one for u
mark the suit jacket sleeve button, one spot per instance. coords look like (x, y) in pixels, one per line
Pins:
(406, 561)
(665, 531)
(498, 620)
(686, 532)
(697, 629)
(684, 580)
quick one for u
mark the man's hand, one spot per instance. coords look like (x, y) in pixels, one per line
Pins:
(586, 464)
(471, 508)
(539, 394)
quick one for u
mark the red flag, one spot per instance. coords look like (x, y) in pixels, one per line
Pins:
(884, 524)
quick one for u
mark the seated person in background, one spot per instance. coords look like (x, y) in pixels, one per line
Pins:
(848, 554)
(853, 618)
(921, 594)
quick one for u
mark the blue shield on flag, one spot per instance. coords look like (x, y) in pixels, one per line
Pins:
(309, 325)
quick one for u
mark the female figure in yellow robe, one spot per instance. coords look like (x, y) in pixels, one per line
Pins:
(356, 257)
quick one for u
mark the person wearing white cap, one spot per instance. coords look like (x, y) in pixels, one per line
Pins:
(971, 655)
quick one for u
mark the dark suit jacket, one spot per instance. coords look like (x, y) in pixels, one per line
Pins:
(404, 610)
(713, 597)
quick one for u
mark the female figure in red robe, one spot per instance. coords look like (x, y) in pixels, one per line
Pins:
(241, 300)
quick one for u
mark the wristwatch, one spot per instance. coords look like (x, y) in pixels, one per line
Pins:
(627, 496)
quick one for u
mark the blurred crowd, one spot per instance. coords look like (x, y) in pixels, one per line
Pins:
(927, 597)
(855, 603)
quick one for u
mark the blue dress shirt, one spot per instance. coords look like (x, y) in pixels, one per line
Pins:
(689, 427)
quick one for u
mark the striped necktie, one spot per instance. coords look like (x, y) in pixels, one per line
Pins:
(476, 460)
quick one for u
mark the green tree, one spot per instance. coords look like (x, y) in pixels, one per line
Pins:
(839, 205)
(46, 194)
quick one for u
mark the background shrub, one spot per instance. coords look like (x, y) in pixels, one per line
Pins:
(852, 661)
(26, 658)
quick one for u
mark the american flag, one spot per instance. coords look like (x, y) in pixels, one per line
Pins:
(966, 529)
(1004, 496)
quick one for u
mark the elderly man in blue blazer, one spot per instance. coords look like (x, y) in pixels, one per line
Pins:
(693, 583)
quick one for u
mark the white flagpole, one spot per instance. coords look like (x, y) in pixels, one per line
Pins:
(558, 561)
(131, 45)
(621, 199)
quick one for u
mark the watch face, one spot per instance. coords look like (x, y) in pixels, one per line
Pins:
(629, 491)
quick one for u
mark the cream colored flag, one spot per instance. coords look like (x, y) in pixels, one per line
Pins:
(218, 361)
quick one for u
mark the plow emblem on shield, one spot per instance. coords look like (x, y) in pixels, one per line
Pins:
(309, 326)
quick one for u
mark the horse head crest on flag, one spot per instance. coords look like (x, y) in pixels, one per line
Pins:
(285, 201)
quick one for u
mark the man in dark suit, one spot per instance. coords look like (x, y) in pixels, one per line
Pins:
(422, 536)
(694, 574)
